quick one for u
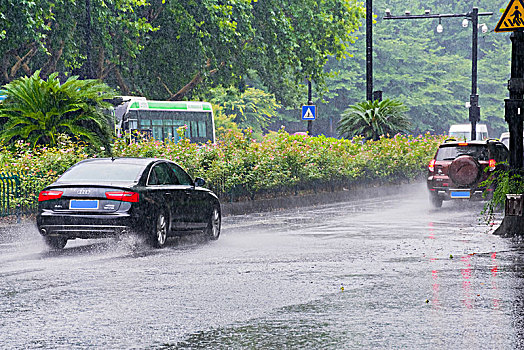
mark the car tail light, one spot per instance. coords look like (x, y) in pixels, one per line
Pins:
(48, 195)
(431, 165)
(123, 196)
(463, 144)
(492, 163)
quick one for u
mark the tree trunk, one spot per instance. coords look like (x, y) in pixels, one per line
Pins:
(120, 81)
(197, 79)
(50, 66)
(21, 60)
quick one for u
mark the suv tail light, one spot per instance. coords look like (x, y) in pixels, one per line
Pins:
(431, 165)
(492, 163)
(123, 196)
(48, 195)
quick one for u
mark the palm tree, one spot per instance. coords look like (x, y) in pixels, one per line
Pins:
(39, 110)
(371, 119)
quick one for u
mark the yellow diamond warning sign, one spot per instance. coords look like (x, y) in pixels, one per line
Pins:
(513, 17)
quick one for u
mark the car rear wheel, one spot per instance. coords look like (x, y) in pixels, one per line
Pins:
(214, 224)
(55, 242)
(159, 233)
(435, 201)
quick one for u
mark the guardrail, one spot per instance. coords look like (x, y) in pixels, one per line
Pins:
(10, 191)
(18, 193)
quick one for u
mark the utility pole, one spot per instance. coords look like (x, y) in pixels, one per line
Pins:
(369, 50)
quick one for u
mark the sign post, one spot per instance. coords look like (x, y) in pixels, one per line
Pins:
(309, 110)
(513, 21)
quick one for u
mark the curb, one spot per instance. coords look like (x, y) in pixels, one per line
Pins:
(281, 203)
(299, 201)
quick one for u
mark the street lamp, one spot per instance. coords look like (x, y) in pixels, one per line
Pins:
(473, 16)
(439, 27)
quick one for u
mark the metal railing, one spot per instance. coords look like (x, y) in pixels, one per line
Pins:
(10, 191)
(18, 193)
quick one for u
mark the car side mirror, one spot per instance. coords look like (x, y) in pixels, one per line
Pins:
(199, 182)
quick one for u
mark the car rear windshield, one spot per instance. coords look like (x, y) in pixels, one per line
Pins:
(479, 152)
(103, 172)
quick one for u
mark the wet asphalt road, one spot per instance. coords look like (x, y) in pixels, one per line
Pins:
(375, 273)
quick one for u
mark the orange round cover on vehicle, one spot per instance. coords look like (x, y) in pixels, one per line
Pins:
(464, 170)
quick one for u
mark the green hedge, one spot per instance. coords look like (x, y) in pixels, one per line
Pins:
(239, 167)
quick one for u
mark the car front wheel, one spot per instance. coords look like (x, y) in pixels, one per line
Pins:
(55, 242)
(159, 233)
(213, 225)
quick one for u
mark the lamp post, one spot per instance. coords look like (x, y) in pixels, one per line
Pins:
(473, 16)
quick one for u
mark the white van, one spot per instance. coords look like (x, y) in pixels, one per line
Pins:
(463, 131)
(504, 138)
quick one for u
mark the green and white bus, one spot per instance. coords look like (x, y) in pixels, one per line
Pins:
(161, 119)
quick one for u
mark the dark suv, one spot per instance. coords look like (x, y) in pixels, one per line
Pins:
(459, 168)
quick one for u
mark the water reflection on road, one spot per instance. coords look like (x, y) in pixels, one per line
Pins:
(372, 273)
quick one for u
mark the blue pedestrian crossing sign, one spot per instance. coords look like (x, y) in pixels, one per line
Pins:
(309, 112)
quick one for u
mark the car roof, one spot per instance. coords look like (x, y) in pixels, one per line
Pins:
(450, 142)
(126, 160)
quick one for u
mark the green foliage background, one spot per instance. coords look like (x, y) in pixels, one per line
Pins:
(430, 72)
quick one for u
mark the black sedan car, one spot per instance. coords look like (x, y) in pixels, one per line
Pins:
(112, 196)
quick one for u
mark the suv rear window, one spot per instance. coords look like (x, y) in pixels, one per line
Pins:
(451, 152)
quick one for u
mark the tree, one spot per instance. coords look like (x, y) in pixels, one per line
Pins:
(373, 119)
(252, 108)
(60, 35)
(178, 49)
(39, 110)
(203, 44)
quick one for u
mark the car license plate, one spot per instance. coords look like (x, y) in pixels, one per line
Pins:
(86, 204)
(460, 194)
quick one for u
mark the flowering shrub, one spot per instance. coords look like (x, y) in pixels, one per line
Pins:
(239, 166)
(38, 167)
